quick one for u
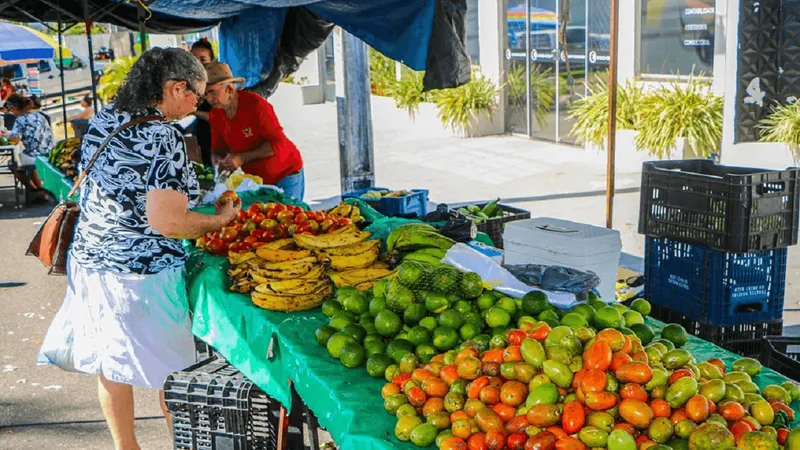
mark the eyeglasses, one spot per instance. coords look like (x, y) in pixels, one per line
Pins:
(200, 98)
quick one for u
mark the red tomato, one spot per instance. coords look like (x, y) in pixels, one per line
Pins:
(302, 228)
(344, 221)
(241, 216)
(250, 239)
(258, 234)
(285, 215)
(216, 246)
(300, 217)
(228, 234)
(515, 337)
(258, 217)
(273, 213)
(253, 209)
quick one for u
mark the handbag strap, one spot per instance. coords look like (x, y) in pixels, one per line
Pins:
(104, 144)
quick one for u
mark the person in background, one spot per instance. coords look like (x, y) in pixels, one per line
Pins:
(35, 134)
(6, 89)
(204, 52)
(246, 133)
(37, 108)
(80, 121)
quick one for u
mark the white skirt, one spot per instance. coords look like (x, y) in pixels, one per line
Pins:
(132, 329)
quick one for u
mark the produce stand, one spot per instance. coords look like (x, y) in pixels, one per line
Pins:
(273, 349)
(54, 180)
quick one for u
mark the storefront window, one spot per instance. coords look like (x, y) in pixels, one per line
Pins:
(677, 37)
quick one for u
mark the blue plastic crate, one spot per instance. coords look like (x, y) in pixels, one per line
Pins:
(409, 206)
(713, 287)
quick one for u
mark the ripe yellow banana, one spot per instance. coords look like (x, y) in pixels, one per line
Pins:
(293, 287)
(280, 244)
(356, 276)
(272, 255)
(345, 230)
(354, 249)
(363, 286)
(297, 271)
(238, 258)
(348, 262)
(326, 241)
(286, 265)
(315, 273)
(291, 302)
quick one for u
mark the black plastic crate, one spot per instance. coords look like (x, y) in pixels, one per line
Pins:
(202, 350)
(714, 287)
(732, 209)
(782, 354)
(215, 407)
(742, 339)
(494, 226)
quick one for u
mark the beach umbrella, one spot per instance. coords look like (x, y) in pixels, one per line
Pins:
(19, 44)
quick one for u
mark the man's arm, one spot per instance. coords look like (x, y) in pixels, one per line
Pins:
(235, 160)
(201, 115)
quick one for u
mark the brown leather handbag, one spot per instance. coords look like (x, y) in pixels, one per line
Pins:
(54, 238)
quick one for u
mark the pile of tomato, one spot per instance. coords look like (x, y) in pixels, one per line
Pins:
(262, 223)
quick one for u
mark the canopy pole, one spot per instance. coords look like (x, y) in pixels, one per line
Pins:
(142, 28)
(612, 114)
(353, 112)
(87, 20)
(61, 75)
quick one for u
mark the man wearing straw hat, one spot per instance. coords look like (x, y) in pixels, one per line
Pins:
(245, 133)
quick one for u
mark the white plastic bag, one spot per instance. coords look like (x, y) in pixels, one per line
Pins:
(466, 259)
(57, 347)
(246, 185)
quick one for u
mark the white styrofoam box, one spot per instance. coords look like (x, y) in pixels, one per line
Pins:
(549, 241)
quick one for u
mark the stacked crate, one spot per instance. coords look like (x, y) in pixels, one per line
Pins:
(716, 246)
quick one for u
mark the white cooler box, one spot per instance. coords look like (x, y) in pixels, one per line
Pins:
(556, 242)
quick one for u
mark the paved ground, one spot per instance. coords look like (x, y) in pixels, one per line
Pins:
(42, 407)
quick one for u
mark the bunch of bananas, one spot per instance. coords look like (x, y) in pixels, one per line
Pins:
(347, 210)
(352, 259)
(418, 242)
(279, 278)
(66, 155)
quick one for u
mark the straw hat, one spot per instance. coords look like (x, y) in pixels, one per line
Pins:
(219, 73)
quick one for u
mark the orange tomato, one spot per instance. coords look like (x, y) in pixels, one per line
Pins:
(434, 387)
(594, 380)
(640, 357)
(634, 372)
(477, 441)
(490, 395)
(731, 410)
(597, 356)
(495, 440)
(637, 413)
(569, 443)
(614, 338)
(678, 374)
(660, 408)
(515, 337)
(389, 389)
(712, 407)
(543, 416)
(469, 368)
(601, 401)
(644, 445)
(416, 396)
(697, 408)
(433, 405)
(678, 415)
(626, 427)
(618, 359)
(453, 443)
(739, 428)
(516, 441)
(461, 429)
(719, 363)
(634, 391)
(512, 353)
(449, 374)
(420, 374)
(493, 355)
(780, 406)
(505, 412)
(402, 379)
(438, 358)
(459, 415)
(517, 424)
(540, 333)
(488, 420)
(472, 406)
(558, 432)
(627, 346)
(578, 377)
(573, 417)
(513, 393)
(783, 433)
(475, 386)
(544, 440)
(469, 351)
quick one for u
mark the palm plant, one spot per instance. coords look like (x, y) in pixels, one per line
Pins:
(407, 93)
(458, 106)
(782, 125)
(114, 77)
(591, 112)
(541, 87)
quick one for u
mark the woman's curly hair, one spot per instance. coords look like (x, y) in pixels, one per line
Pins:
(144, 84)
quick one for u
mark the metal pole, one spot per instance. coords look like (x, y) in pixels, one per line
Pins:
(61, 75)
(612, 114)
(528, 102)
(142, 28)
(87, 20)
(357, 165)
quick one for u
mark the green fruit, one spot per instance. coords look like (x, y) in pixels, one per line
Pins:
(445, 338)
(406, 409)
(379, 289)
(469, 331)
(585, 310)
(685, 428)
(775, 392)
(676, 359)
(641, 306)
(533, 352)
(749, 366)
(621, 440)
(762, 411)
(324, 333)
(545, 394)
(675, 334)
(593, 437)
(632, 318)
(669, 346)
(356, 303)
(793, 440)
(388, 323)
(711, 436)
(709, 371)
(681, 391)
(423, 435)
(607, 317)
(414, 313)
(373, 344)
(330, 307)
(408, 363)
(558, 353)
(377, 304)
(429, 323)
(792, 389)
(535, 303)
(393, 402)
(716, 418)
(355, 330)
(733, 377)
(454, 402)
(713, 390)
(337, 342)
(497, 317)
(558, 372)
(398, 348)
(754, 440)
(419, 335)
(342, 319)
(733, 392)
(574, 320)
(485, 301)
(557, 334)
(366, 319)
(410, 273)
(660, 430)
(474, 318)
(436, 302)
(445, 279)
(748, 387)
(352, 355)
(497, 341)
(643, 332)
(405, 425)
(398, 297)
(377, 364)
(462, 306)
(451, 319)
(425, 353)
(471, 285)
(508, 304)
(660, 378)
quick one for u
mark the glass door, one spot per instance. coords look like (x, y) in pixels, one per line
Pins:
(543, 78)
(572, 43)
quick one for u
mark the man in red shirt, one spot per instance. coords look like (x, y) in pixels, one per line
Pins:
(245, 133)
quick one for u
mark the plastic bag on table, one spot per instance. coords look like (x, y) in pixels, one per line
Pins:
(245, 186)
(555, 278)
(467, 259)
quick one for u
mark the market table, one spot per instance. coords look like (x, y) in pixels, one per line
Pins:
(53, 179)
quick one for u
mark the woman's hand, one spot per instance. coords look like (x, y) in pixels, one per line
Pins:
(228, 209)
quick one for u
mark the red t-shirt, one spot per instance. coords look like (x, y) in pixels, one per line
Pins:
(254, 123)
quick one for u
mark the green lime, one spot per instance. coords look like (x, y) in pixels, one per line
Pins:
(619, 307)
(585, 310)
(425, 352)
(399, 297)
(535, 302)
(366, 318)
(352, 355)
(668, 344)
(482, 341)
(330, 307)
(607, 317)
(497, 317)
(469, 331)
(574, 320)
(388, 323)
(497, 341)
(474, 318)
(374, 346)
(324, 333)
(410, 273)
(462, 306)
(342, 319)
(471, 285)
(377, 304)
(626, 331)
(675, 334)
(337, 341)
(419, 335)
(451, 319)
(346, 291)
(508, 304)
(377, 364)
(597, 304)
(445, 279)
(549, 315)
(485, 301)
(370, 327)
(379, 289)
(632, 317)
(424, 434)
(641, 306)
(429, 323)
(397, 348)
(643, 332)
(414, 313)
(435, 302)
(356, 303)
(357, 331)
(445, 338)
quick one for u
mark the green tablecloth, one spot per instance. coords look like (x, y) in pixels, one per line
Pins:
(54, 180)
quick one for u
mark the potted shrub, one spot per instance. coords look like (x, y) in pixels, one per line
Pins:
(407, 93)
(591, 115)
(782, 126)
(542, 87)
(300, 91)
(468, 109)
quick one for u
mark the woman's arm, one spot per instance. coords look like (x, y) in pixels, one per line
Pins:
(167, 212)
(85, 114)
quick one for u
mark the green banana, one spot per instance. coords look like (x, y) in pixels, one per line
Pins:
(422, 257)
(432, 251)
(418, 239)
(392, 238)
(491, 208)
